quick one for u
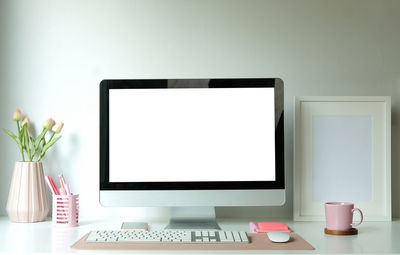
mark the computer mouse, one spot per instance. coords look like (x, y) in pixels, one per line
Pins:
(278, 237)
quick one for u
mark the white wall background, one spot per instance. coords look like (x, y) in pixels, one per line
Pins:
(54, 53)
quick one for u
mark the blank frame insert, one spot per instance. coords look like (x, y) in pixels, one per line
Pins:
(342, 152)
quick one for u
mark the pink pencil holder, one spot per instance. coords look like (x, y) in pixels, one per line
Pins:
(65, 210)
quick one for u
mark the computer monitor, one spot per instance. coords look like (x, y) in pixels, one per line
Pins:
(192, 145)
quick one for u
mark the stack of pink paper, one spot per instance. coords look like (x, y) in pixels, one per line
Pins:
(265, 227)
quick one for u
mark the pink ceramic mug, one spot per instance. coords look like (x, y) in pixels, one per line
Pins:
(339, 216)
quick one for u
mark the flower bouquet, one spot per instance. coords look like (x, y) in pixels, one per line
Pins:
(27, 144)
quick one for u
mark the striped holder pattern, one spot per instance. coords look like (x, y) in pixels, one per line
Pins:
(65, 210)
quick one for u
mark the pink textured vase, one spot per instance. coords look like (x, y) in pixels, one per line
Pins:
(27, 200)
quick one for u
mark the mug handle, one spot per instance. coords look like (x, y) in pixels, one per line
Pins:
(361, 214)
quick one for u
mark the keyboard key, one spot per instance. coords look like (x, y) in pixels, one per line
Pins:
(222, 235)
(236, 236)
(244, 237)
(229, 236)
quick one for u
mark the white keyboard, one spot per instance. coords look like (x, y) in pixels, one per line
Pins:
(168, 236)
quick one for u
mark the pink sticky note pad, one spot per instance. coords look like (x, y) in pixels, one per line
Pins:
(263, 227)
(272, 225)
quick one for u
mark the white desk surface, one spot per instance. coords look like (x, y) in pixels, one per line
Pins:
(26, 238)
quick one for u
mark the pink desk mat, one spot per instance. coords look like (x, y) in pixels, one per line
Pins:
(259, 242)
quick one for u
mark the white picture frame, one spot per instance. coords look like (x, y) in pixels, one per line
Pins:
(342, 152)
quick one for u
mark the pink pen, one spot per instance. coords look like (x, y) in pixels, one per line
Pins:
(50, 186)
(62, 181)
(68, 189)
(62, 191)
(55, 188)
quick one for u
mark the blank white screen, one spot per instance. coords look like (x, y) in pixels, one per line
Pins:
(172, 135)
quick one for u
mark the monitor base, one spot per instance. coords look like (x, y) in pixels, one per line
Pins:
(193, 218)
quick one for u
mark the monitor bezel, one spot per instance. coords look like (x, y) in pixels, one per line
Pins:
(107, 85)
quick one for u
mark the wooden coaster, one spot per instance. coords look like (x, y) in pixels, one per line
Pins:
(352, 231)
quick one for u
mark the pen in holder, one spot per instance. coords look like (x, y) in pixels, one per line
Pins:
(65, 210)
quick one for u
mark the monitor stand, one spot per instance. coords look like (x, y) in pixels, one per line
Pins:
(193, 218)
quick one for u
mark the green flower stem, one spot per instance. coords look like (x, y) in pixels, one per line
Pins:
(32, 155)
(22, 152)
(47, 146)
(26, 141)
(39, 157)
(51, 137)
(19, 130)
(19, 138)
(36, 142)
(43, 151)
